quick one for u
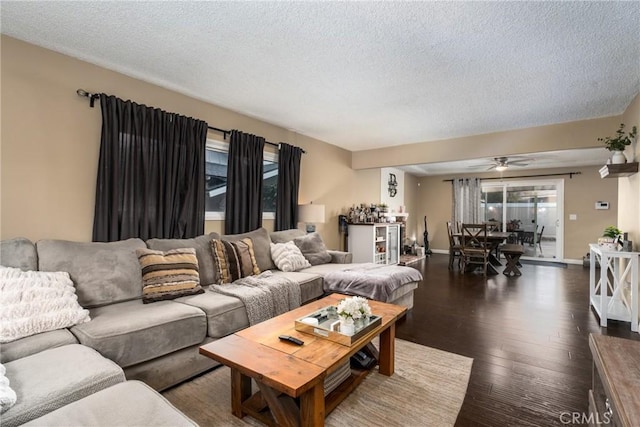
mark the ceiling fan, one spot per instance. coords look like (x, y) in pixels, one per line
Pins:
(501, 164)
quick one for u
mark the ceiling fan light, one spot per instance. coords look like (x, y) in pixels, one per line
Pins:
(501, 168)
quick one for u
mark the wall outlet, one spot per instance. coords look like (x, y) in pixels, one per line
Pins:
(573, 217)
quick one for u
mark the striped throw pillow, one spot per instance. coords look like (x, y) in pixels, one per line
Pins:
(168, 275)
(234, 260)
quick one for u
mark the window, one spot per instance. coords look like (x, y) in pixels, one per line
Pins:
(216, 181)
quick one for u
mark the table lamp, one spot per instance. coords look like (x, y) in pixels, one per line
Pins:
(311, 215)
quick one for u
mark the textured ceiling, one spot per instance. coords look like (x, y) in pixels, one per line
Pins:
(362, 75)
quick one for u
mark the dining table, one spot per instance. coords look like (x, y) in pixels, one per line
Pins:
(494, 238)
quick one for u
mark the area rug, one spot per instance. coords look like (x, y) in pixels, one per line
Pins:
(427, 389)
(406, 259)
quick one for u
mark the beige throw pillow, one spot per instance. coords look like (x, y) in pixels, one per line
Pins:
(37, 301)
(287, 257)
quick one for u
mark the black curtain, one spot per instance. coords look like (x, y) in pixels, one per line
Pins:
(151, 173)
(243, 210)
(288, 186)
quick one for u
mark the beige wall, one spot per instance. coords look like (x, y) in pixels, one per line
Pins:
(580, 194)
(50, 141)
(564, 136)
(411, 198)
(629, 187)
(366, 189)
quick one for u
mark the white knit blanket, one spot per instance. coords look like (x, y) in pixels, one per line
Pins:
(264, 296)
(36, 301)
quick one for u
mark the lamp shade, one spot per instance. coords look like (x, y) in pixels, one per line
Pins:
(311, 213)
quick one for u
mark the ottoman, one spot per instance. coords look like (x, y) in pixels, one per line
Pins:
(392, 284)
(131, 403)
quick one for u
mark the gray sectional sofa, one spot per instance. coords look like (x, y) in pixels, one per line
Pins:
(155, 343)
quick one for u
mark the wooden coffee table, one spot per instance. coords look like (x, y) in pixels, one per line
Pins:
(290, 378)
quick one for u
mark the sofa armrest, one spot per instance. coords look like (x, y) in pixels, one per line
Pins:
(339, 257)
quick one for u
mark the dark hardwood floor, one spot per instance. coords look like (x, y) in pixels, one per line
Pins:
(528, 337)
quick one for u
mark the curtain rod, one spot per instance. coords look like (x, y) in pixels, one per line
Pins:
(93, 96)
(526, 176)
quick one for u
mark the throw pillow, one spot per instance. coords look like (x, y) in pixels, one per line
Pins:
(37, 301)
(287, 257)
(260, 240)
(202, 245)
(313, 248)
(168, 275)
(234, 260)
(8, 397)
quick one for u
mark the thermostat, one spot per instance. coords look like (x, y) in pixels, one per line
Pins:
(602, 205)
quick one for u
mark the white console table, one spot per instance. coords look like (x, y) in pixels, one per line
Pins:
(614, 292)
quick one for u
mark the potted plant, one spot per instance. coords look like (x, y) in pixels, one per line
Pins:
(513, 224)
(611, 237)
(618, 143)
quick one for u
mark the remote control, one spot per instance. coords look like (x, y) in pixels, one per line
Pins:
(291, 339)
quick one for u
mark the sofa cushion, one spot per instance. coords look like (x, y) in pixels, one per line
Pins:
(103, 273)
(202, 245)
(310, 284)
(35, 343)
(313, 248)
(132, 332)
(171, 369)
(53, 378)
(287, 257)
(285, 236)
(32, 302)
(234, 260)
(261, 246)
(19, 253)
(168, 275)
(225, 314)
(131, 403)
(323, 269)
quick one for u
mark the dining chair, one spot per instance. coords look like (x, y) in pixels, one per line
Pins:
(491, 227)
(528, 236)
(539, 237)
(475, 248)
(455, 249)
(494, 226)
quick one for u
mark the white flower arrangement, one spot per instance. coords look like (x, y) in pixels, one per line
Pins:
(354, 308)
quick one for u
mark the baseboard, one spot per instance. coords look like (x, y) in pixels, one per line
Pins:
(566, 260)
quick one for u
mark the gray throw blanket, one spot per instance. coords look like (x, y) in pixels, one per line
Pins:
(264, 296)
(373, 281)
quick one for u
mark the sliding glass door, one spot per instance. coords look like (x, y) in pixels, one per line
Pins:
(531, 211)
